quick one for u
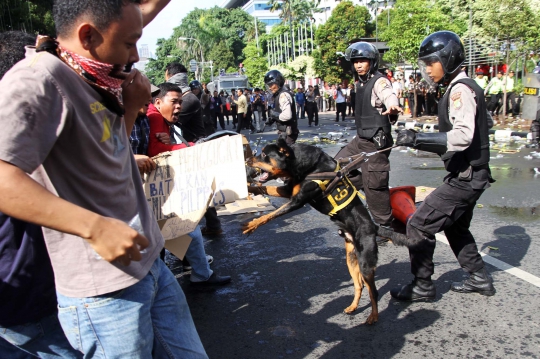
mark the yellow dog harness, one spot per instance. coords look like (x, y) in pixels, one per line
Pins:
(341, 196)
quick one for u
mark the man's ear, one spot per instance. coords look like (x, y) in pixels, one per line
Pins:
(157, 102)
(89, 37)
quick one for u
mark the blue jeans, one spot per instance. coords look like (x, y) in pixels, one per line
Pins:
(44, 339)
(200, 269)
(150, 319)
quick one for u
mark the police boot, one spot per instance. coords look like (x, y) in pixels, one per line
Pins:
(418, 290)
(478, 282)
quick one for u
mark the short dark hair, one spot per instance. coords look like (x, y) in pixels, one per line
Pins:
(12, 50)
(101, 12)
(167, 87)
(175, 68)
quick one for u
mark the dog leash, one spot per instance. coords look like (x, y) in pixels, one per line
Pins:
(353, 162)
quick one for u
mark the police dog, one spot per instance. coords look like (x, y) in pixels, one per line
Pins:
(343, 205)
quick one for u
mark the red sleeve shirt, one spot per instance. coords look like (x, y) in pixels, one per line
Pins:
(157, 125)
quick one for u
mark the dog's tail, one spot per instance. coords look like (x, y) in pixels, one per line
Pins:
(399, 239)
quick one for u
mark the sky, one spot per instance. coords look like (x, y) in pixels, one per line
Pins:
(169, 18)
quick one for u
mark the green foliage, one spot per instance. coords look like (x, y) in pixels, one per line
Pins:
(32, 16)
(412, 21)
(255, 64)
(295, 11)
(507, 19)
(348, 23)
(222, 34)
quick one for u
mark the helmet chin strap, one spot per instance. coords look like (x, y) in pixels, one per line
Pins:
(449, 77)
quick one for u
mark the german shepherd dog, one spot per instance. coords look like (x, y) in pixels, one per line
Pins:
(356, 226)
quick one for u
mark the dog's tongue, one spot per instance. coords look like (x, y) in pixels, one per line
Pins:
(263, 177)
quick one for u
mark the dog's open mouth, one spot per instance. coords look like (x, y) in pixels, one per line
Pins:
(264, 176)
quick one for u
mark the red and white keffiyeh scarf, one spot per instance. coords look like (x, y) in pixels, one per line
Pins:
(99, 72)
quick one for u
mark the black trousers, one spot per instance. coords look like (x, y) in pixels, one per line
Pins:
(493, 104)
(341, 108)
(215, 117)
(449, 208)
(234, 115)
(212, 219)
(373, 179)
(411, 103)
(431, 104)
(243, 120)
(511, 104)
(420, 105)
(312, 111)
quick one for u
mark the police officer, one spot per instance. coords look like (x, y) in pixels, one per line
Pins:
(494, 89)
(464, 145)
(284, 110)
(480, 79)
(375, 106)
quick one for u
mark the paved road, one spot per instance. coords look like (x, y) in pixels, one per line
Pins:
(291, 284)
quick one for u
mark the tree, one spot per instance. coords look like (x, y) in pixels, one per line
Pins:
(221, 36)
(348, 23)
(32, 16)
(412, 21)
(510, 20)
(255, 64)
(301, 67)
(295, 12)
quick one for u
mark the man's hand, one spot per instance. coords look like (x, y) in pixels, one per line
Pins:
(164, 138)
(393, 110)
(150, 9)
(114, 240)
(145, 164)
(406, 138)
(135, 93)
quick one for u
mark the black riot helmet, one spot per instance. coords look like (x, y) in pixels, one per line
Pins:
(274, 77)
(444, 47)
(363, 50)
(193, 85)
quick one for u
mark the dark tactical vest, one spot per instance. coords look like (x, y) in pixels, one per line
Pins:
(367, 119)
(477, 154)
(293, 122)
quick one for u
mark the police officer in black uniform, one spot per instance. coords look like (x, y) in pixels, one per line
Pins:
(284, 111)
(463, 144)
(376, 106)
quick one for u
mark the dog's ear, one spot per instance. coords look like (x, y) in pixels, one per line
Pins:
(284, 148)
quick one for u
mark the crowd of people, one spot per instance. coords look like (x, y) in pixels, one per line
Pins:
(82, 271)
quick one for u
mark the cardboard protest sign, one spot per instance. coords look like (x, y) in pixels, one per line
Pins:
(189, 180)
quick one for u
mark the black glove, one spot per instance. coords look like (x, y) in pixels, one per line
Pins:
(274, 114)
(406, 138)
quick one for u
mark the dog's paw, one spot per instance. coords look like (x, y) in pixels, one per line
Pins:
(249, 227)
(350, 309)
(372, 319)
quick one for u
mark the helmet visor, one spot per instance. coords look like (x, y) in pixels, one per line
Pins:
(270, 83)
(423, 63)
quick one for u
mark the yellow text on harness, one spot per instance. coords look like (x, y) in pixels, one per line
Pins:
(341, 196)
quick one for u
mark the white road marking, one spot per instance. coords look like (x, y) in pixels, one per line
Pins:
(521, 274)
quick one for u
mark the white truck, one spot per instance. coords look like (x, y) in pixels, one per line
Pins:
(228, 82)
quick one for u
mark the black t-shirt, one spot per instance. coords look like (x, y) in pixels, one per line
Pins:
(190, 120)
(27, 291)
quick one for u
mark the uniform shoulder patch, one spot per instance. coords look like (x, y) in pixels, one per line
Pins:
(456, 100)
(382, 83)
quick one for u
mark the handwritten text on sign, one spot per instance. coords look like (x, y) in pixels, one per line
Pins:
(182, 182)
